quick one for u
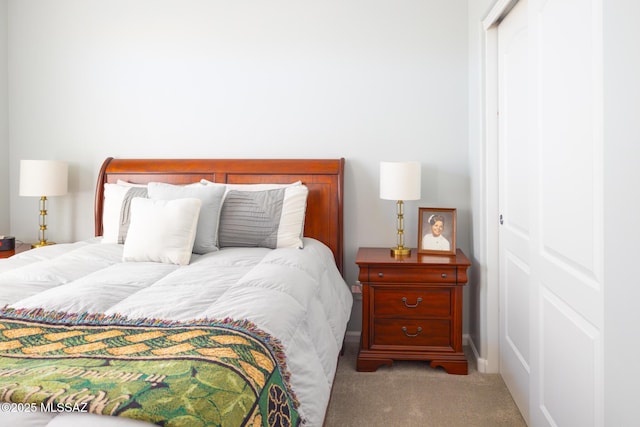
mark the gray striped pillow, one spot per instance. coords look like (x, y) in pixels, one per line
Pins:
(250, 218)
(268, 219)
(125, 211)
(115, 212)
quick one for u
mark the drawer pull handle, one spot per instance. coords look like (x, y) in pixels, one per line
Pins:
(443, 275)
(380, 274)
(404, 329)
(418, 301)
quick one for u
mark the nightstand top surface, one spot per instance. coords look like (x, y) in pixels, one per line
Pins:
(383, 256)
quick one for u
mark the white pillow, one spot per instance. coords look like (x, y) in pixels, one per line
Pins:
(211, 197)
(264, 218)
(249, 187)
(116, 210)
(129, 184)
(162, 230)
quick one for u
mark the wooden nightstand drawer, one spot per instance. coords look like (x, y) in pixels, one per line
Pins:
(411, 302)
(20, 247)
(7, 254)
(412, 332)
(412, 274)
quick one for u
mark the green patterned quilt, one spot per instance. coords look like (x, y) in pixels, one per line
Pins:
(201, 373)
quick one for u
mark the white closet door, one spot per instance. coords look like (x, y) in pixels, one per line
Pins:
(515, 199)
(567, 323)
(551, 199)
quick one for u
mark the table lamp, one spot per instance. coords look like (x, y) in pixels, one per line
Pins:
(400, 181)
(43, 178)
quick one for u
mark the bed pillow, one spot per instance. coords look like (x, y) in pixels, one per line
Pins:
(116, 210)
(211, 197)
(249, 187)
(130, 184)
(162, 230)
(266, 218)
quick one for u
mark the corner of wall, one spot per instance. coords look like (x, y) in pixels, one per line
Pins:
(482, 364)
(4, 119)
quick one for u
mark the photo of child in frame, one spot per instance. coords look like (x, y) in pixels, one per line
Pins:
(437, 231)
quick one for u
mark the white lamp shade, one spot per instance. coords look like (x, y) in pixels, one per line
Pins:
(400, 180)
(43, 178)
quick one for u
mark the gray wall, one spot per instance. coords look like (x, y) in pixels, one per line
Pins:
(4, 123)
(479, 293)
(372, 81)
(622, 203)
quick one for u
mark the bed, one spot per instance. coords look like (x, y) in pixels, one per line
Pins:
(212, 294)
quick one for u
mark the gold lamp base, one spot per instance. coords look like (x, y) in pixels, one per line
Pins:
(43, 225)
(41, 244)
(400, 251)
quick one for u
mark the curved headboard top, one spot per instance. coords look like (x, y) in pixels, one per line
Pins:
(323, 177)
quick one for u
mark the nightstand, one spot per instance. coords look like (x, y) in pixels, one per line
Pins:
(411, 309)
(20, 247)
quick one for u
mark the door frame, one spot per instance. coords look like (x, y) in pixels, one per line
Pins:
(489, 200)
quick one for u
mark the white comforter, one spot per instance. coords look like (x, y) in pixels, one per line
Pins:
(297, 296)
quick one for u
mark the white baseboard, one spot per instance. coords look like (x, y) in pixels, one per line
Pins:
(352, 336)
(480, 362)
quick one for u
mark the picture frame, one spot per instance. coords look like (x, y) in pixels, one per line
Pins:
(434, 238)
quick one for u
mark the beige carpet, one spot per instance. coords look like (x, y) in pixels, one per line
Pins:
(414, 394)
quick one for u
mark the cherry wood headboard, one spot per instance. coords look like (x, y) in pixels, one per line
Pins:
(323, 177)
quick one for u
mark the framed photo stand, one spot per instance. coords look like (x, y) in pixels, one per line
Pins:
(437, 231)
